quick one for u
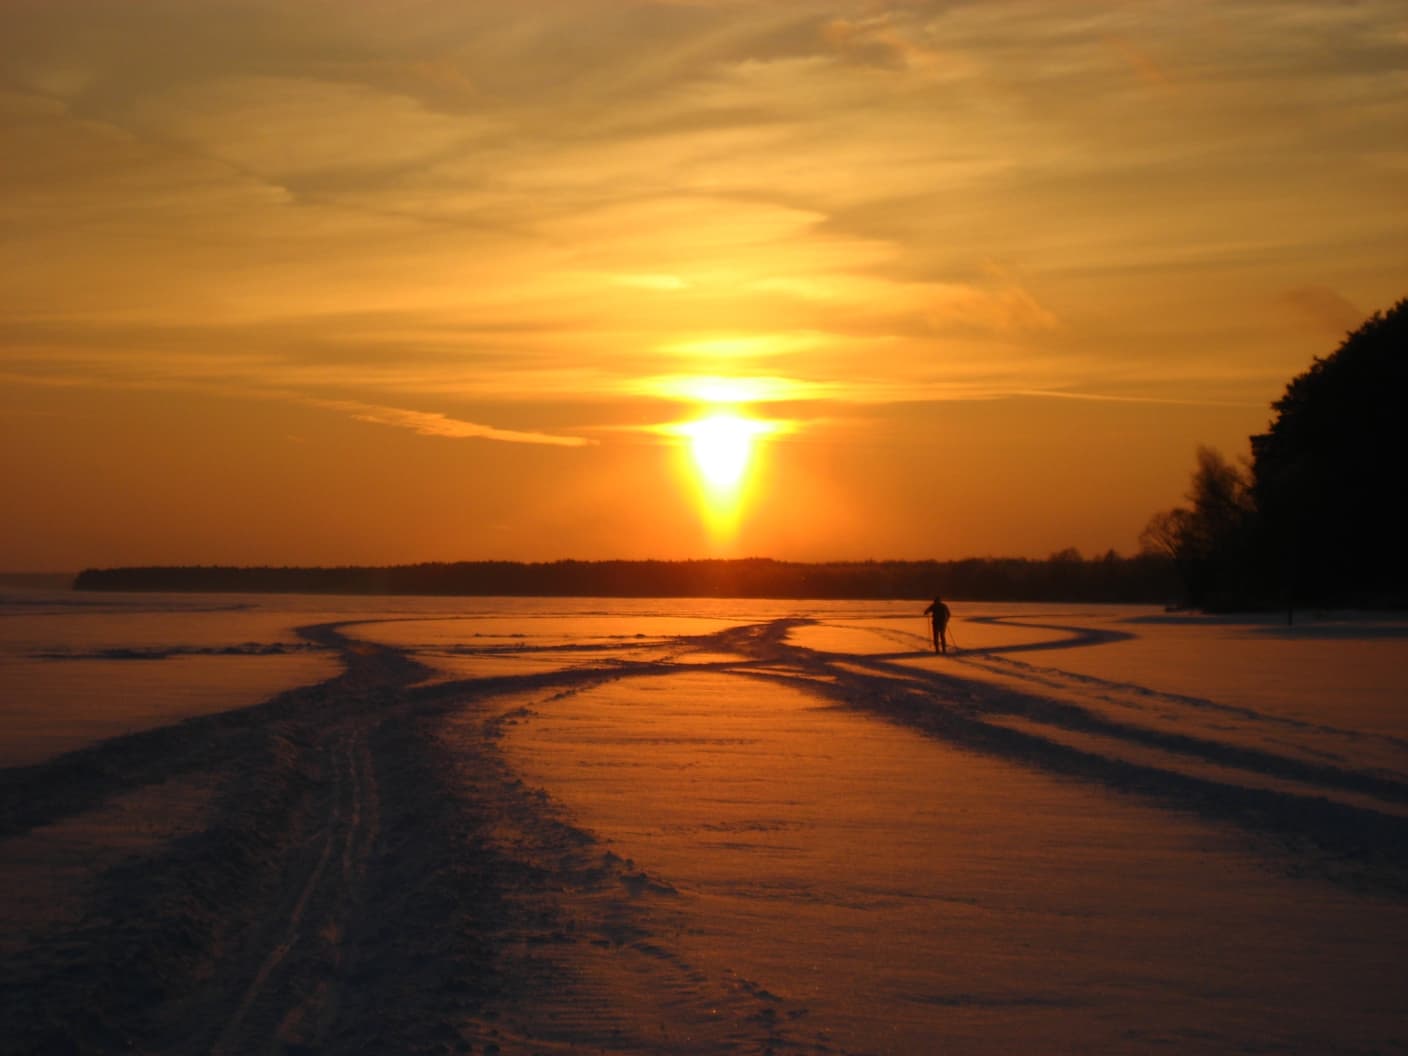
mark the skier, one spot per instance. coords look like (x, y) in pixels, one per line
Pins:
(938, 613)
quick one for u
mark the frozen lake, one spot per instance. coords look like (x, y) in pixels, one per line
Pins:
(1087, 828)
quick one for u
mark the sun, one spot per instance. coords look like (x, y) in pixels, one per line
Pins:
(720, 449)
(722, 446)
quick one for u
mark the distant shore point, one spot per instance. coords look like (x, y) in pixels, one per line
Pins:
(1062, 577)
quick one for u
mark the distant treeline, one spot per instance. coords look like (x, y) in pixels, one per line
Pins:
(1065, 576)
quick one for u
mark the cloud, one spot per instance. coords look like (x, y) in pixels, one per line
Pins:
(1168, 401)
(428, 423)
(733, 389)
(40, 359)
(544, 209)
(290, 127)
(1008, 309)
(1143, 64)
(879, 41)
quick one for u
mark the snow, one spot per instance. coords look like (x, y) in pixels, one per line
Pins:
(710, 825)
(900, 891)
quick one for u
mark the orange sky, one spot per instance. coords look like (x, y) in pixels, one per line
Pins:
(369, 282)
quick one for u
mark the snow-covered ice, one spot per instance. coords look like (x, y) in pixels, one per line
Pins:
(712, 825)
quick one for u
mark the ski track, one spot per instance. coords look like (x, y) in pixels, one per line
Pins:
(1122, 692)
(1172, 709)
(1121, 735)
(556, 944)
(317, 915)
(1115, 732)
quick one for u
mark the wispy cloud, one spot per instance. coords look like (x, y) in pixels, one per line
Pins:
(1007, 309)
(285, 128)
(434, 424)
(1097, 397)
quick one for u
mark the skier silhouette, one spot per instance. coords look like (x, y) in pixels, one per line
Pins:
(938, 614)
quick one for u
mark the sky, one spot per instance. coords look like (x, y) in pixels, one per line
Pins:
(372, 282)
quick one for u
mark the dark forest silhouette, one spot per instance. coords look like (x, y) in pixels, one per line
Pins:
(1314, 517)
(1065, 576)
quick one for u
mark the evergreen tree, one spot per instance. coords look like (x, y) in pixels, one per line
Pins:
(1331, 472)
